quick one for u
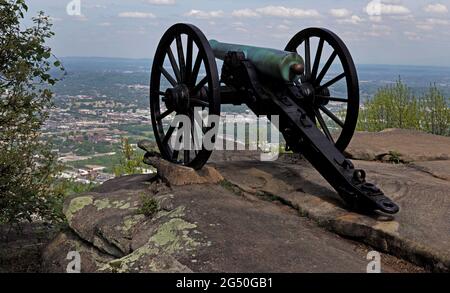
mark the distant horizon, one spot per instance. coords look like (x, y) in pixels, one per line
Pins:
(375, 31)
(150, 59)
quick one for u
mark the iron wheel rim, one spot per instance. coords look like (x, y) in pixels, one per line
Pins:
(188, 66)
(315, 77)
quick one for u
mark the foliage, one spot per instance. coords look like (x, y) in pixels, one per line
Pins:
(391, 107)
(27, 166)
(149, 206)
(130, 161)
(396, 107)
(69, 186)
(63, 188)
(435, 112)
(231, 187)
(394, 157)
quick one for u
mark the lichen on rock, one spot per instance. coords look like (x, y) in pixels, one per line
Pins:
(129, 222)
(157, 254)
(105, 203)
(77, 204)
(145, 259)
(173, 236)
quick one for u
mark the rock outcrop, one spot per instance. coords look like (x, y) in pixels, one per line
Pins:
(399, 145)
(243, 215)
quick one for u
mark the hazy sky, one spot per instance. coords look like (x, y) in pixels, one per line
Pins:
(393, 32)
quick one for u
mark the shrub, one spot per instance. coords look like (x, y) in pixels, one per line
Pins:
(149, 206)
(130, 160)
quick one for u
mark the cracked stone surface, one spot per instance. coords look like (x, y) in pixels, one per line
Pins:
(199, 228)
(438, 169)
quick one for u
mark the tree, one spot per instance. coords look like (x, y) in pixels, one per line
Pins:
(27, 166)
(435, 112)
(396, 107)
(391, 107)
(130, 161)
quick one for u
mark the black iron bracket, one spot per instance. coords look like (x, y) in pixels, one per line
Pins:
(301, 133)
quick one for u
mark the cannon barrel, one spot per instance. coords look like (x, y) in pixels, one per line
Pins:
(275, 63)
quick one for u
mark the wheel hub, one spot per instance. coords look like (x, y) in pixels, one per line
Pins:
(325, 92)
(307, 91)
(312, 96)
(177, 98)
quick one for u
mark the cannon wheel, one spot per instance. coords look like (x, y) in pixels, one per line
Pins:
(185, 90)
(314, 78)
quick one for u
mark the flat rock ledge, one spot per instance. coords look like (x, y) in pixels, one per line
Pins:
(242, 215)
(399, 145)
(197, 228)
(415, 234)
(411, 167)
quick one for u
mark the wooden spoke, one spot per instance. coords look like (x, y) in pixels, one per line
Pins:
(317, 58)
(167, 75)
(168, 134)
(307, 58)
(175, 68)
(193, 130)
(200, 126)
(326, 67)
(198, 102)
(332, 116)
(181, 60)
(323, 125)
(201, 84)
(332, 99)
(189, 52)
(196, 69)
(331, 82)
(164, 115)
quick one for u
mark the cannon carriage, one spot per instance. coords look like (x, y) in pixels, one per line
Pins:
(294, 83)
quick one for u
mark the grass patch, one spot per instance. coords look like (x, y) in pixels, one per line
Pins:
(149, 206)
(267, 196)
(231, 187)
(394, 157)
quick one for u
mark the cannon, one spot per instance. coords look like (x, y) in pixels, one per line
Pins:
(296, 83)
